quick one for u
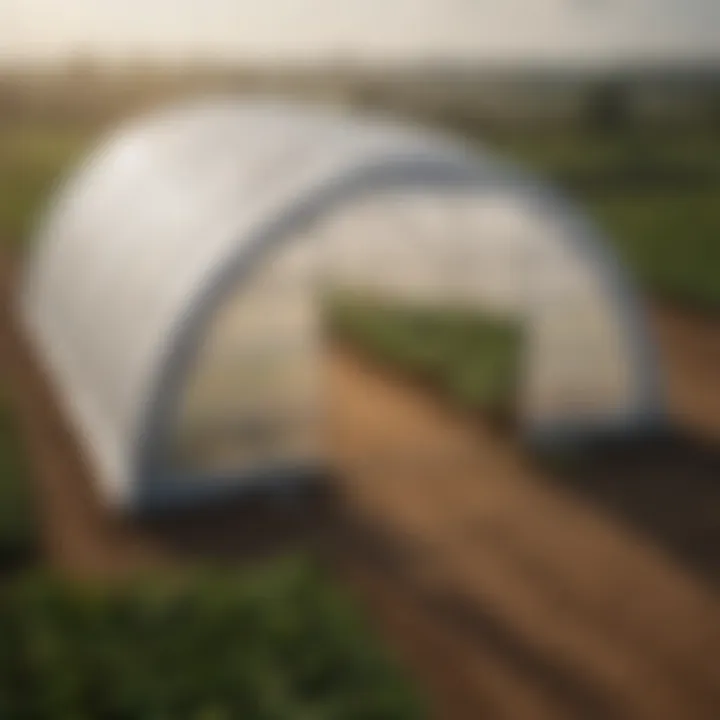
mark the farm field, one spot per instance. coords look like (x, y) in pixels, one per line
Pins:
(505, 588)
(657, 196)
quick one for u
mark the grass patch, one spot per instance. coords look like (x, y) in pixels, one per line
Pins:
(277, 643)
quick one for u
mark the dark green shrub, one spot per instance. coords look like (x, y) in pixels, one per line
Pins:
(280, 644)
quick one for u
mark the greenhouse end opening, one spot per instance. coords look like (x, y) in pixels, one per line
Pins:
(191, 276)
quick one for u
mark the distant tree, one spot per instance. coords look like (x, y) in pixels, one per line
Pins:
(607, 107)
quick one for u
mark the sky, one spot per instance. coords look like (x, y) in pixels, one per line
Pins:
(365, 30)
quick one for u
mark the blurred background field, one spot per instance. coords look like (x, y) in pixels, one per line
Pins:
(641, 153)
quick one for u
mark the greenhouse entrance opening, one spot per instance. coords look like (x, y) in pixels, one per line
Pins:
(480, 299)
(402, 295)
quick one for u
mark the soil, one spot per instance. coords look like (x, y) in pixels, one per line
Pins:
(508, 587)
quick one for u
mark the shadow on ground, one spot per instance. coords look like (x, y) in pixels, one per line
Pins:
(668, 488)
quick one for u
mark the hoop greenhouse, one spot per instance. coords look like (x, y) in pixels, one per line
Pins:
(174, 294)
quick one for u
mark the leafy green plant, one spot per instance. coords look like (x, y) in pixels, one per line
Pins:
(279, 643)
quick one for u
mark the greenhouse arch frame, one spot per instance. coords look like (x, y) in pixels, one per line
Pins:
(245, 177)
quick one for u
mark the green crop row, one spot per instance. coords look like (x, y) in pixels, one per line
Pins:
(274, 644)
(473, 357)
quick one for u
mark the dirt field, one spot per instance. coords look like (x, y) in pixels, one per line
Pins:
(509, 590)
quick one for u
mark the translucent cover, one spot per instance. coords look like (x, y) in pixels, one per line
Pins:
(163, 276)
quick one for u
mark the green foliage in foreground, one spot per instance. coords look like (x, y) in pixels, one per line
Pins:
(17, 519)
(473, 357)
(279, 644)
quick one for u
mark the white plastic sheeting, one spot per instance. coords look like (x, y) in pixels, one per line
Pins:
(146, 240)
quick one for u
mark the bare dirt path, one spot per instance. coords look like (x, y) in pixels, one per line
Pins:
(510, 591)
(560, 603)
